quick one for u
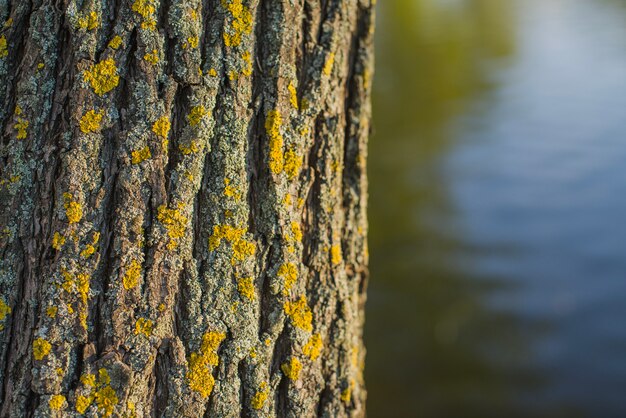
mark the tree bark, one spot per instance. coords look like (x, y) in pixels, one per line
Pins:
(183, 207)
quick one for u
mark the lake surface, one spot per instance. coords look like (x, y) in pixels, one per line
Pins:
(498, 210)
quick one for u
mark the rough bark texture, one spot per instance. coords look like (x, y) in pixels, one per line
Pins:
(183, 207)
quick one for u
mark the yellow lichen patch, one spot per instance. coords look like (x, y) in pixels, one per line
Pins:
(88, 379)
(300, 313)
(51, 311)
(212, 72)
(196, 114)
(199, 375)
(82, 285)
(193, 148)
(293, 162)
(57, 241)
(4, 51)
(259, 398)
(106, 399)
(346, 395)
(292, 368)
(90, 121)
(287, 200)
(5, 310)
(289, 273)
(41, 348)
(328, 65)
(152, 57)
(313, 347)
(82, 403)
(193, 41)
(102, 76)
(230, 190)
(73, 209)
(89, 22)
(143, 326)
(162, 127)
(22, 128)
(175, 223)
(273, 122)
(145, 8)
(140, 155)
(56, 402)
(88, 251)
(241, 24)
(133, 273)
(296, 230)
(247, 59)
(245, 286)
(8, 23)
(335, 254)
(293, 95)
(116, 42)
(242, 249)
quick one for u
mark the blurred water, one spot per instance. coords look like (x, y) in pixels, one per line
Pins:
(497, 197)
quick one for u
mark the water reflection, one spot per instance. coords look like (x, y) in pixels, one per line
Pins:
(471, 150)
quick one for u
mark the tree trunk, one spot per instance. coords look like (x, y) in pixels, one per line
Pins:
(183, 207)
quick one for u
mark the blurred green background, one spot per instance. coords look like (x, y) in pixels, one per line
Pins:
(497, 198)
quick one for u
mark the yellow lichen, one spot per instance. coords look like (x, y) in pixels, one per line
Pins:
(82, 403)
(102, 76)
(162, 127)
(41, 348)
(83, 286)
(313, 347)
(289, 273)
(196, 114)
(73, 209)
(192, 148)
(199, 375)
(57, 241)
(4, 310)
(4, 51)
(230, 191)
(247, 59)
(259, 398)
(51, 311)
(133, 273)
(88, 251)
(346, 394)
(193, 41)
(88, 379)
(175, 223)
(292, 368)
(300, 313)
(293, 162)
(335, 254)
(89, 22)
(116, 42)
(90, 121)
(22, 128)
(241, 24)
(212, 72)
(242, 249)
(143, 326)
(273, 122)
(56, 402)
(328, 65)
(296, 230)
(245, 286)
(293, 95)
(145, 8)
(140, 155)
(106, 399)
(152, 57)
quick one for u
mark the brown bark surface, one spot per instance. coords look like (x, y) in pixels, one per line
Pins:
(183, 207)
